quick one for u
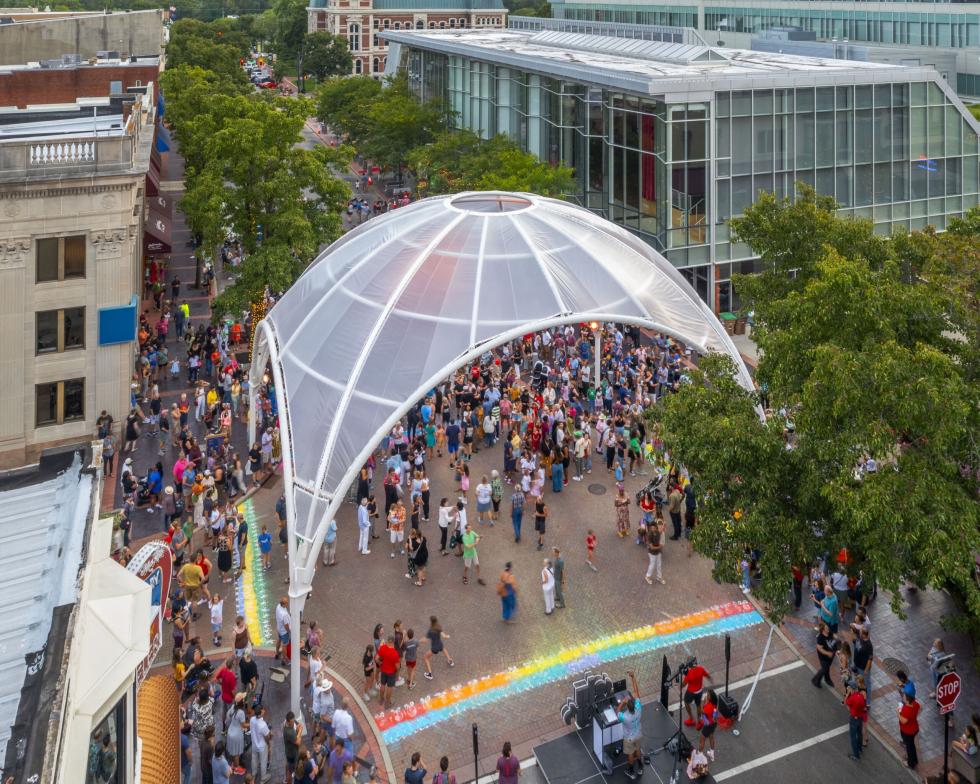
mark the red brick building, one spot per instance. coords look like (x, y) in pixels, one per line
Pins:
(32, 85)
(362, 21)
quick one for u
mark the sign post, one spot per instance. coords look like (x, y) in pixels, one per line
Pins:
(947, 692)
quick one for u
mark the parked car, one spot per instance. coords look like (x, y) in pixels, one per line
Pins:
(268, 84)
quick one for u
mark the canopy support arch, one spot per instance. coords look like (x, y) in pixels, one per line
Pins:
(303, 551)
(397, 304)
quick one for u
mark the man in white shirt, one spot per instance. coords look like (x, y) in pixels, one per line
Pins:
(343, 725)
(363, 528)
(548, 587)
(282, 627)
(260, 745)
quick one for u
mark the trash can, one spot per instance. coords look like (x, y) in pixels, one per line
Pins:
(728, 321)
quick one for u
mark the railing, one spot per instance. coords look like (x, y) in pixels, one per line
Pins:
(89, 154)
(61, 153)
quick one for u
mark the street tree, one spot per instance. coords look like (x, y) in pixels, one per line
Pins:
(397, 122)
(341, 104)
(326, 55)
(460, 160)
(864, 360)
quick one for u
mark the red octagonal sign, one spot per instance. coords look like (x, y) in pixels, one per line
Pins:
(947, 692)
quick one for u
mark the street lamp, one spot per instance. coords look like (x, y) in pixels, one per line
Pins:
(594, 326)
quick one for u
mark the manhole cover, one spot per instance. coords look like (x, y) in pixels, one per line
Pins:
(597, 489)
(891, 665)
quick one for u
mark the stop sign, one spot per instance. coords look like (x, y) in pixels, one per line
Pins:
(947, 692)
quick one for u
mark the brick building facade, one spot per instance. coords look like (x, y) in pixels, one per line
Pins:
(362, 22)
(27, 86)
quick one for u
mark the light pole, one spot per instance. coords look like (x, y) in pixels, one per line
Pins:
(594, 326)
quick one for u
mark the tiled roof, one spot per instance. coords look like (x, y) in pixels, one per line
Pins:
(158, 726)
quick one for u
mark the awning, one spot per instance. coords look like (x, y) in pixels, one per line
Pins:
(152, 179)
(162, 205)
(163, 140)
(112, 637)
(156, 233)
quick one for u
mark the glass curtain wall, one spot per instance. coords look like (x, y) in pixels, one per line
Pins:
(901, 154)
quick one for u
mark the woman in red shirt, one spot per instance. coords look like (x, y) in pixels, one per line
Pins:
(908, 725)
(709, 720)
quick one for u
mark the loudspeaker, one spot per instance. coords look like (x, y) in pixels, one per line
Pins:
(728, 706)
(476, 741)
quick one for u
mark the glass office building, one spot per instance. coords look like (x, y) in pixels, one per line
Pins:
(671, 139)
(916, 25)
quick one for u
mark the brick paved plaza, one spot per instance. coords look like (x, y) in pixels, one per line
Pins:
(360, 591)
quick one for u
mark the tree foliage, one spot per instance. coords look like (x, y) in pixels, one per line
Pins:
(326, 55)
(871, 349)
(462, 161)
(341, 102)
(246, 173)
(291, 30)
(214, 46)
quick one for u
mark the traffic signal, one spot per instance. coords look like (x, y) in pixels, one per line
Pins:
(241, 61)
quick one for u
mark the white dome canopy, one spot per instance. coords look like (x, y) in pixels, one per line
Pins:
(398, 303)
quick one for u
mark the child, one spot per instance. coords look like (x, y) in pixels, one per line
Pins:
(367, 661)
(590, 549)
(179, 670)
(440, 440)
(216, 609)
(174, 368)
(744, 566)
(265, 547)
(410, 654)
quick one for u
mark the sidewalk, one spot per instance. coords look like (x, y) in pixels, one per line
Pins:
(275, 697)
(903, 645)
(146, 453)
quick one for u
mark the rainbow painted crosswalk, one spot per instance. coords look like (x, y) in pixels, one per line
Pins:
(400, 723)
(252, 601)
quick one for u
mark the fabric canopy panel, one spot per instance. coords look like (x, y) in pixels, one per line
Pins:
(394, 306)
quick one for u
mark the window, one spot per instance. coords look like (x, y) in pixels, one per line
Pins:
(60, 330)
(354, 39)
(115, 87)
(59, 402)
(60, 258)
(419, 24)
(357, 66)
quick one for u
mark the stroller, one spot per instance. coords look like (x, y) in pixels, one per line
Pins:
(656, 488)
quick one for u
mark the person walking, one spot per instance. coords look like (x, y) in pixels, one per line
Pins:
(857, 709)
(558, 567)
(444, 521)
(508, 766)
(622, 505)
(590, 542)
(437, 638)
(484, 498)
(260, 733)
(470, 558)
(675, 503)
(826, 651)
(655, 547)
(517, 501)
(548, 587)
(507, 590)
(292, 734)
(540, 520)
(908, 726)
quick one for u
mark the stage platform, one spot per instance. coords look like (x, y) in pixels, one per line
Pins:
(569, 760)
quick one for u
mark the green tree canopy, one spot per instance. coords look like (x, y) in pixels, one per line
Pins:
(326, 55)
(460, 161)
(292, 19)
(864, 358)
(341, 103)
